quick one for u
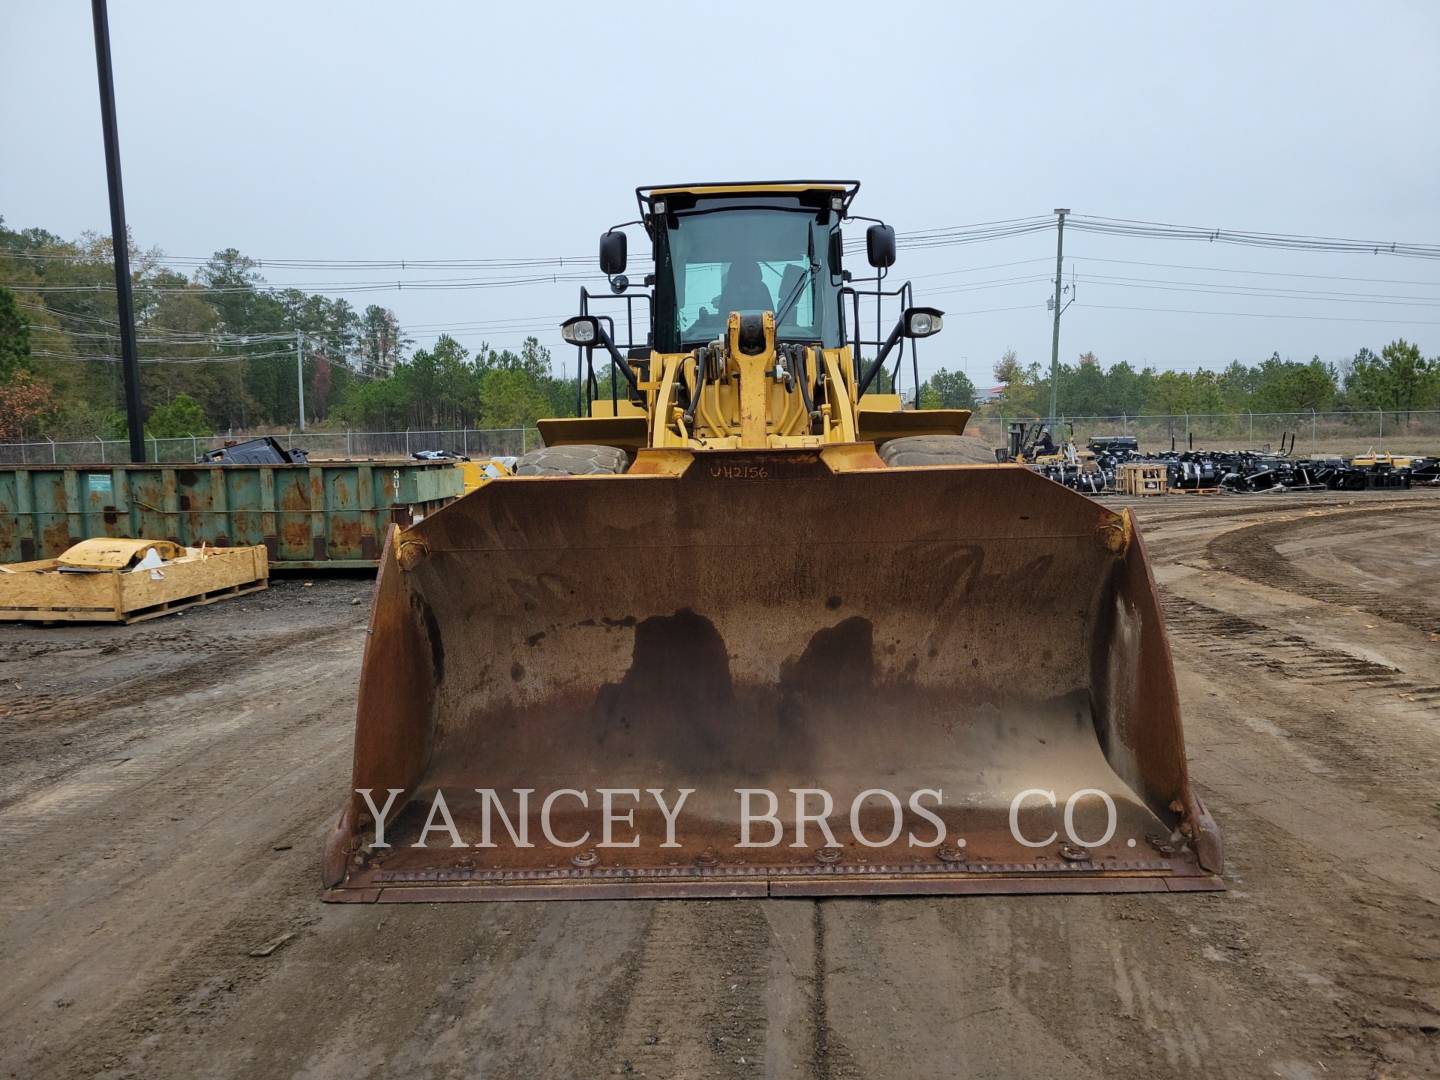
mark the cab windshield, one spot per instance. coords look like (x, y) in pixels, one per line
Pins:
(748, 260)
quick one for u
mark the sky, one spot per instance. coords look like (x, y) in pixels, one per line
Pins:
(383, 131)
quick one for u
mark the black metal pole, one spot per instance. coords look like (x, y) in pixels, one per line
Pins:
(908, 298)
(125, 306)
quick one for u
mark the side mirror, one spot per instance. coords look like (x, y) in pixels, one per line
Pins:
(612, 252)
(921, 322)
(581, 330)
(880, 246)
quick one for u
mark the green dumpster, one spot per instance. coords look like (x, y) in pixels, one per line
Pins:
(323, 514)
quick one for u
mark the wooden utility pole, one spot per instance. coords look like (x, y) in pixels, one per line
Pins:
(300, 374)
(1055, 339)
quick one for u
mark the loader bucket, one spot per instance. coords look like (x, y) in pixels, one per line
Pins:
(911, 680)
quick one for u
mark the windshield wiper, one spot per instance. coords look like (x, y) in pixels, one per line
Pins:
(809, 276)
(795, 293)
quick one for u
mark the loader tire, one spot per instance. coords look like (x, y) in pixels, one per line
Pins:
(937, 450)
(572, 461)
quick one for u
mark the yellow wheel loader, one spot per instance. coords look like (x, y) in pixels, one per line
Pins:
(746, 626)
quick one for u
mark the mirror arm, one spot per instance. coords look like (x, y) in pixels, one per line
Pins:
(886, 350)
(615, 357)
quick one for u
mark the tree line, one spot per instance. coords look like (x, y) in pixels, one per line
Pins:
(1399, 379)
(222, 346)
(219, 349)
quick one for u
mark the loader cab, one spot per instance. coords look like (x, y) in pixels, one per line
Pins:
(768, 254)
(746, 248)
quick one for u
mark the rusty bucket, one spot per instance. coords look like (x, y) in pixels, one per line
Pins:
(863, 681)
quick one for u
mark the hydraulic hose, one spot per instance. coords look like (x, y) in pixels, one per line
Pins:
(702, 367)
(801, 373)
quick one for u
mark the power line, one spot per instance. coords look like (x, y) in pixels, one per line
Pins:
(982, 286)
(47, 309)
(424, 285)
(1156, 230)
(498, 329)
(977, 269)
(1267, 315)
(1043, 219)
(987, 311)
(169, 336)
(1209, 289)
(942, 236)
(919, 237)
(236, 342)
(1258, 273)
(78, 359)
(516, 326)
(322, 263)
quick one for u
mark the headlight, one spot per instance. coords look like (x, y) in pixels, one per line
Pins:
(581, 330)
(922, 322)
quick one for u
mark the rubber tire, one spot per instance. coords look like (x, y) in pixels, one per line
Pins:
(937, 450)
(577, 460)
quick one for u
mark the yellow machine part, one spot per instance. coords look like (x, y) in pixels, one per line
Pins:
(602, 406)
(476, 474)
(798, 619)
(1372, 459)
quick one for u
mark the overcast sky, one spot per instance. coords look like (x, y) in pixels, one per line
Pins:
(479, 130)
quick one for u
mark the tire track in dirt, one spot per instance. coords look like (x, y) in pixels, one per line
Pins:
(1348, 733)
(695, 1004)
(436, 990)
(218, 889)
(1354, 977)
(99, 861)
(105, 725)
(194, 745)
(194, 988)
(1389, 957)
(1250, 552)
(830, 1057)
(1365, 947)
(1263, 648)
(220, 656)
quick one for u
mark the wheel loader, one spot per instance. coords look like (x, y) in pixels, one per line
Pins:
(748, 625)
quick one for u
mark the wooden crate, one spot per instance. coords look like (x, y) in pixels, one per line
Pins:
(40, 592)
(1137, 478)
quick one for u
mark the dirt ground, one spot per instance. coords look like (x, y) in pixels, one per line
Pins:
(165, 788)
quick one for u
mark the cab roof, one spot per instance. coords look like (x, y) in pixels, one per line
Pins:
(846, 189)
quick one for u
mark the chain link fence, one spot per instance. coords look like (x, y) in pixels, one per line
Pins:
(321, 445)
(1345, 433)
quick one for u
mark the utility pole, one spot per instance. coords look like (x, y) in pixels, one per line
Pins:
(125, 307)
(300, 373)
(1055, 340)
